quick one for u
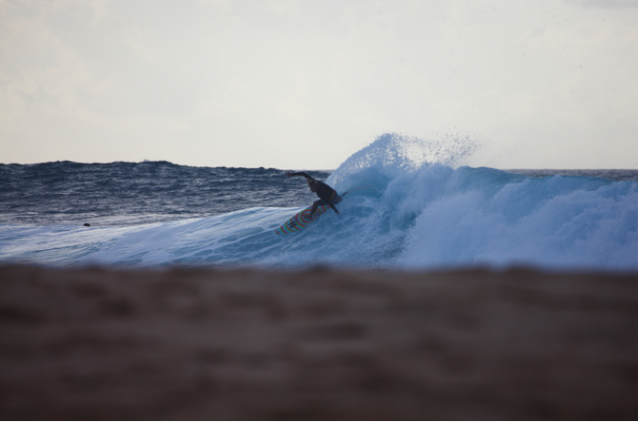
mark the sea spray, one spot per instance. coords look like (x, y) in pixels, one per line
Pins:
(394, 154)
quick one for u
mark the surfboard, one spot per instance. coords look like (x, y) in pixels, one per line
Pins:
(299, 221)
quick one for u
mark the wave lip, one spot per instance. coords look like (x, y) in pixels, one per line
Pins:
(393, 154)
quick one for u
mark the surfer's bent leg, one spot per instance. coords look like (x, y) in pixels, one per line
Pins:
(331, 204)
(314, 208)
(322, 202)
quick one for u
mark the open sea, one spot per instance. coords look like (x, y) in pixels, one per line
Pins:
(425, 212)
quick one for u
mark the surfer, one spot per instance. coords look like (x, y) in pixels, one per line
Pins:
(327, 195)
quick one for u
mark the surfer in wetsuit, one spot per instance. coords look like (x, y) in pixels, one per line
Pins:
(327, 195)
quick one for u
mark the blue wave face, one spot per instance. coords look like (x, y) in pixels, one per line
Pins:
(484, 216)
(420, 216)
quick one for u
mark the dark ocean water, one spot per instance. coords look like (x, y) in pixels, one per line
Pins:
(615, 174)
(124, 193)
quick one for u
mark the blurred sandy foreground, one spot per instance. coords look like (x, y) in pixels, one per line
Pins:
(320, 344)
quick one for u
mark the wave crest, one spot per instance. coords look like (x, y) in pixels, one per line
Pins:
(394, 153)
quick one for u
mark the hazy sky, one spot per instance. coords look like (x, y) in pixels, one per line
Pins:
(304, 84)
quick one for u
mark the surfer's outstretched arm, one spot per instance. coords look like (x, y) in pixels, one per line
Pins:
(299, 173)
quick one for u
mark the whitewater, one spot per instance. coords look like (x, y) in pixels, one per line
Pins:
(426, 212)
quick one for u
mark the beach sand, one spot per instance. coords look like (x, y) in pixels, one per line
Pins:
(319, 344)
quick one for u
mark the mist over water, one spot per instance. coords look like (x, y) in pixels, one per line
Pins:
(425, 213)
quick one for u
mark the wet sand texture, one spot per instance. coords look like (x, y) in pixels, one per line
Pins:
(321, 344)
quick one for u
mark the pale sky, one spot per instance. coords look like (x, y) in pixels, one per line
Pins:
(304, 84)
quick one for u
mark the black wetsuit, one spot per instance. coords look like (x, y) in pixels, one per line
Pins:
(327, 195)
